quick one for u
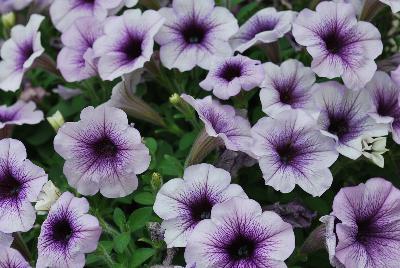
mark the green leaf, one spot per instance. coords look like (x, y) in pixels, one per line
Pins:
(139, 217)
(151, 143)
(121, 242)
(187, 140)
(171, 166)
(141, 255)
(144, 198)
(119, 218)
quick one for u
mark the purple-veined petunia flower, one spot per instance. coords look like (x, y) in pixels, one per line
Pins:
(20, 113)
(11, 258)
(20, 184)
(340, 45)
(19, 53)
(127, 42)
(239, 234)
(183, 203)
(6, 239)
(385, 99)
(67, 233)
(64, 13)
(266, 26)
(76, 60)
(13, 5)
(227, 77)
(102, 152)
(344, 117)
(286, 87)
(291, 150)
(222, 121)
(369, 227)
(194, 33)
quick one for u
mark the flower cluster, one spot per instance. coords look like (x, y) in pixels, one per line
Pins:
(236, 103)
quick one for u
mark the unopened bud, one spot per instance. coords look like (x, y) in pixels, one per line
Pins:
(156, 181)
(8, 20)
(46, 198)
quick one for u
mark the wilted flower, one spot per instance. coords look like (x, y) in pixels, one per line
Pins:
(339, 44)
(11, 258)
(385, 99)
(286, 88)
(344, 117)
(20, 113)
(294, 213)
(266, 26)
(369, 229)
(222, 121)
(183, 203)
(127, 42)
(13, 5)
(20, 184)
(64, 13)
(374, 148)
(46, 198)
(102, 152)
(67, 234)
(227, 77)
(233, 161)
(67, 93)
(124, 97)
(331, 239)
(291, 150)
(239, 234)
(56, 120)
(31, 93)
(19, 52)
(76, 59)
(194, 33)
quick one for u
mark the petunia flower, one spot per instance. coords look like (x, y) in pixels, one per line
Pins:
(374, 148)
(222, 122)
(330, 239)
(340, 45)
(227, 77)
(286, 87)
(20, 113)
(13, 5)
(344, 117)
(11, 258)
(76, 59)
(239, 234)
(20, 185)
(266, 26)
(64, 13)
(183, 203)
(369, 225)
(291, 150)
(384, 93)
(46, 198)
(195, 32)
(127, 42)
(102, 152)
(67, 234)
(6, 239)
(19, 53)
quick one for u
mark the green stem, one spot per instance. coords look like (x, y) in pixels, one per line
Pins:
(106, 227)
(21, 246)
(108, 259)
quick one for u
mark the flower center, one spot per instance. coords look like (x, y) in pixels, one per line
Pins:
(287, 153)
(365, 230)
(334, 42)
(231, 71)
(132, 47)
(105, 148)
(241, 248)
(386, 106)
(286, 97)
(62, 231)
(262, 25)
(194, 33)
(338, 126)
(201, 209)
(5, 118)
(9, 186)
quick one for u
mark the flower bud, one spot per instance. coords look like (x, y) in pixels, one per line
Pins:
(46, 198)
(56, 120)
(8, 20)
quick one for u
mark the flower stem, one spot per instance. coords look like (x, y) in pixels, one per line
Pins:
(21, 246)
